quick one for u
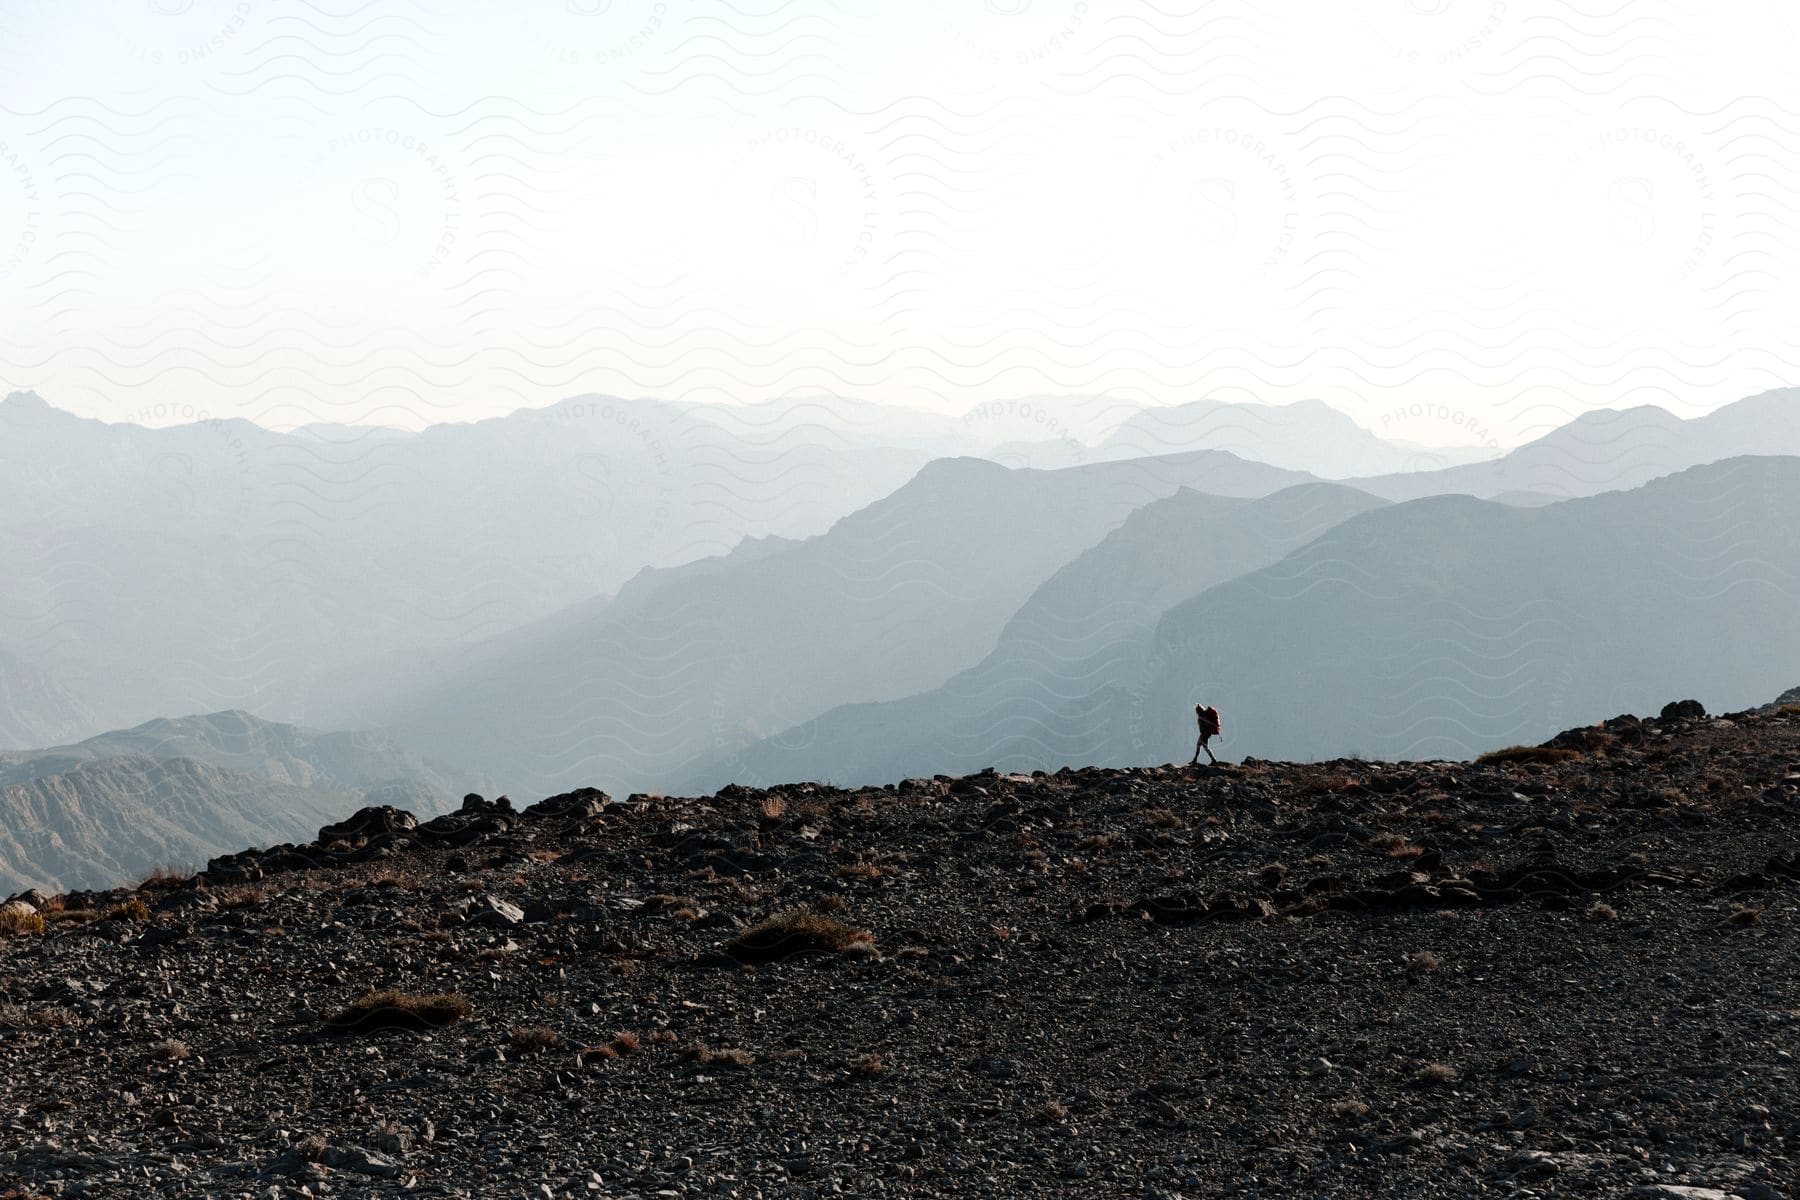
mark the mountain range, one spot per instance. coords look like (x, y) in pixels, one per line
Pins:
(174, 792)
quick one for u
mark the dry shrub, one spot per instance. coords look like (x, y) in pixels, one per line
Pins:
(864, 870)
(1322, 785)
(163, 879)
(1048, 1113)
(706, 1056)
(1600, 911)
(529, 1039)
(170, 1049)
(1435, 1074)
(399, 1010)
(867, 1065)
(1160, 818)
(1425, 960)
(797, 932)
(15, 923)
(774, 807)
(1387, 841)
(130, 910)
(1350, 1109)
(1513, 755)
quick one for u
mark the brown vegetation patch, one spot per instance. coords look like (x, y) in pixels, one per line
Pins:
(796, 932)
(399, 1010)
(1527, 754)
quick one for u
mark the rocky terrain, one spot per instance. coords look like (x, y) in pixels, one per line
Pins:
(1569, 970)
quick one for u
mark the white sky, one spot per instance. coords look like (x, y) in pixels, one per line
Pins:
(1457, 220)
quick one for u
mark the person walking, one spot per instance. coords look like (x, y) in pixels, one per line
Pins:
(1210, 728)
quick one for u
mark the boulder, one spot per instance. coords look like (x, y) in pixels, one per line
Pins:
(368, 823)
(495, 913)
(1683, 710)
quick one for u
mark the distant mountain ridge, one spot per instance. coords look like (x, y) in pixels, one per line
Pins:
(1044, 697)
(174, 792)
(692, 663)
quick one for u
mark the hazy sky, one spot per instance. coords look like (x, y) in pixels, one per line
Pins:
(1457, 220)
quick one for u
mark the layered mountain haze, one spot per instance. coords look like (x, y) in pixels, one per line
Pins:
(1307, 435)
(687, 665)
(1449, 626)
(1051, 692)
(1610, 449)
(176, 792)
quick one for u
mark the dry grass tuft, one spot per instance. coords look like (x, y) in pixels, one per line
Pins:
(1425, 960)
(1435, 1074)
(706, 1056)
(529, 1039)
(1527, 754)
(399, 1010)
(774, 807)
(21, 924)
(1600, 911)
(133, 909)
(867, 1065)
(164, 879)
(170, 1049)
(1350, 1109)
(797, 932)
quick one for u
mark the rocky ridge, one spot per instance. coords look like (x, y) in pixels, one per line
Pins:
(1567, 970)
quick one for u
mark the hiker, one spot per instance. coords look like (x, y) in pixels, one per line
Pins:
(1208, 716)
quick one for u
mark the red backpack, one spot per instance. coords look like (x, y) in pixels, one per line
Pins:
(1209, 722)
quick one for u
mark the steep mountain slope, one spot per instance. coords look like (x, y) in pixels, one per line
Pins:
(1610, 450)
(1043, 697)
(103, 822)
(1450, 625)
(892, 600)
(239, 741)
(177, 791)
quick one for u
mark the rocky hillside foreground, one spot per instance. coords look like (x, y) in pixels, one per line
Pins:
(1568, 973)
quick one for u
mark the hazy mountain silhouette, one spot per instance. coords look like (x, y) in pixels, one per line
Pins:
(1308, 435)
(683, 666)
(218, 564)
(1450, 625)
(1608, 450)
(176, 791)
(1046, 696)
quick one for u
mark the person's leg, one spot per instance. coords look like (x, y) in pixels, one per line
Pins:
(1209, 753)
(1197, 746)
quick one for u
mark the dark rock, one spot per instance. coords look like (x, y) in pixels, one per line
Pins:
(368, 823)
(1683, 710)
